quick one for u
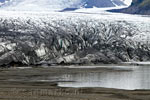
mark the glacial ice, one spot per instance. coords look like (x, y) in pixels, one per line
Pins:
(82, 37)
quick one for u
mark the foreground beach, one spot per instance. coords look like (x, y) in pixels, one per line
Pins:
(19, 84)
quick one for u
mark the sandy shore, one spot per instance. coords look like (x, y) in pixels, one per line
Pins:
(19, 84)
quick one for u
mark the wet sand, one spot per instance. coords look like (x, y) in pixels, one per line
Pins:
(21, 84)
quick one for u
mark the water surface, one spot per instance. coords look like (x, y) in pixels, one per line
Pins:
(133, 78)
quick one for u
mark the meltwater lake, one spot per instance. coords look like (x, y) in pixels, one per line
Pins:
(112, 76)
(129, 78)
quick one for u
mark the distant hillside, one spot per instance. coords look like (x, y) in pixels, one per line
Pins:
(138, 7)
(2, 1)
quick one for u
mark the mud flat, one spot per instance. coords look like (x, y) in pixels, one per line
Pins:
(42, 84)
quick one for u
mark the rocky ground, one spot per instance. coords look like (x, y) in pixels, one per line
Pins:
(139, 7)
(15, 85)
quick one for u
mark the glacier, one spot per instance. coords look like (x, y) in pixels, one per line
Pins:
(58, 5)
(34, 38)
(36, 32)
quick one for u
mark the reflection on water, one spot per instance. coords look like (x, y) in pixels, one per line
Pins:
(139, 78)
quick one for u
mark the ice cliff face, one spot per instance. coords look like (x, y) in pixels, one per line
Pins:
(33, 38)
(30, 5)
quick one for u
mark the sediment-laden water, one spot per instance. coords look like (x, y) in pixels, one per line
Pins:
(136, 78)
(118, 77)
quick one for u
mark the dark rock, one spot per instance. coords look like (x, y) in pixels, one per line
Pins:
(138, 7)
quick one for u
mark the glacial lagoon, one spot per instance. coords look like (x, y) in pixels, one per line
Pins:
(137, 77)
(117, 77)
